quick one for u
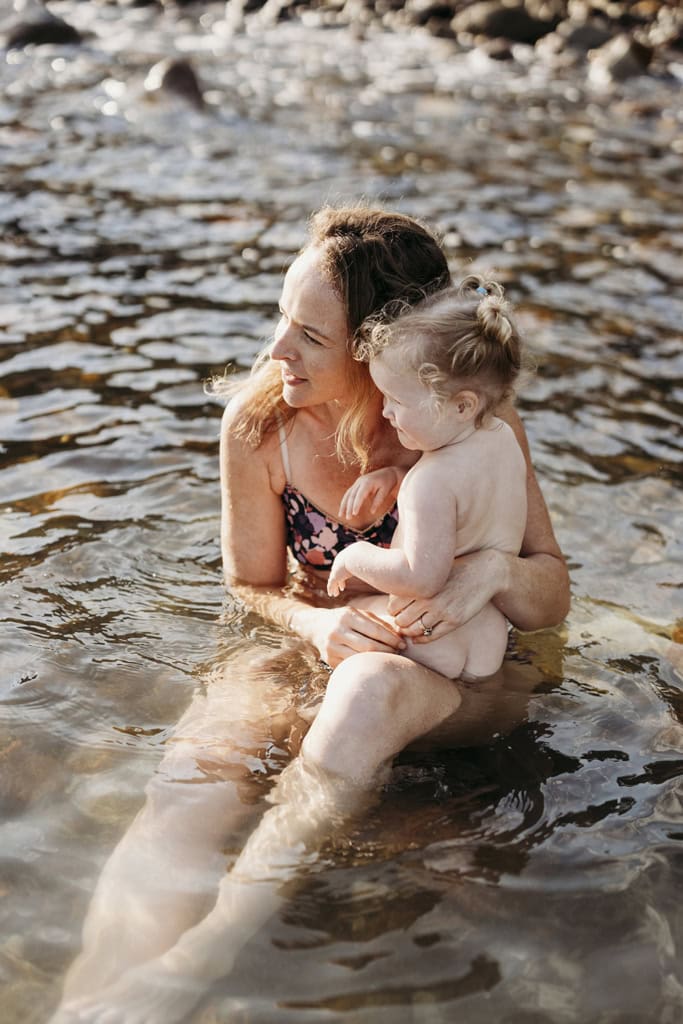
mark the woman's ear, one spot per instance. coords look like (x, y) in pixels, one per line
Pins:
(467, 404)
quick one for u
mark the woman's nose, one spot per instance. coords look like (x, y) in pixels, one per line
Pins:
(282, 347)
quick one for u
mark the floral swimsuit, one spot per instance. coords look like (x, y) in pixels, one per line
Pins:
(313, 537)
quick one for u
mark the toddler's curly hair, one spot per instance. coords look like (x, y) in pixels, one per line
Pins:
(460, 337)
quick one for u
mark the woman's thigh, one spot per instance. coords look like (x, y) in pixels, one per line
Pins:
(390, 703)
(376, 704)
(247, 709)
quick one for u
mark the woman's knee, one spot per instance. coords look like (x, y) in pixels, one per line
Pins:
(374, 706)
(367, 690)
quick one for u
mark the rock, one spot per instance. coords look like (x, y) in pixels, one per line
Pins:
(434, 16)
(572, 41)
(584, 36)
(623, 57)
(177, 77)
(27, 774)
(490, 18)
(44, 31)
(421, 12)
(498, 49)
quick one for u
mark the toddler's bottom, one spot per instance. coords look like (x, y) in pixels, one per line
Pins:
(470, 652)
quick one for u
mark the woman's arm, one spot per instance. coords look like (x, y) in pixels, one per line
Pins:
(252, 518)
(531, 590)
(253, 545)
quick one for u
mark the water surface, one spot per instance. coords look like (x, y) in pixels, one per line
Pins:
(535, 878)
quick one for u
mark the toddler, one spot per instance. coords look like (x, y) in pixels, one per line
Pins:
(443, 367)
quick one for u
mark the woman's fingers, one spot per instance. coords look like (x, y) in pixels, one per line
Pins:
(374, 628)
(363, 631)
(356, 631)
(417, 634)
(416, 617)
(407, 614)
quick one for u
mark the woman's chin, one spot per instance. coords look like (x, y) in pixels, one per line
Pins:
(294, 394)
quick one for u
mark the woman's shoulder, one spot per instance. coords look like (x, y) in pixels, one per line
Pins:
(238, 406)
(240, 443)
(247, 467)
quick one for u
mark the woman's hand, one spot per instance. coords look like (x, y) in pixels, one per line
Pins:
(473, 582)
(338, 633)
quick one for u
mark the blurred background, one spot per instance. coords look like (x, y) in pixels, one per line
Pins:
(158, 163)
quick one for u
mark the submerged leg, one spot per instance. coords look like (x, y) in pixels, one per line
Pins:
(374, 706)
(163, 874)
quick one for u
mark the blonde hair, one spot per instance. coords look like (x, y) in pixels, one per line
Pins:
(372, 258)
(463, 336)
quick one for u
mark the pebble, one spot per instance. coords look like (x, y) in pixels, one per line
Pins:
(177, 77)
(40, 28)
(623, 57)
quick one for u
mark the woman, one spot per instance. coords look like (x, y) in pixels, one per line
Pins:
(293, 440)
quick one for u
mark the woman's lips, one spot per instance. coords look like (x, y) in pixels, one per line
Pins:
(291, 378)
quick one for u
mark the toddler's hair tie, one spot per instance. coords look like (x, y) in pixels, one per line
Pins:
(481, 290)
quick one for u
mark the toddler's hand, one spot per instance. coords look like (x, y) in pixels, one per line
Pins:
(336, 582)
(370, 493)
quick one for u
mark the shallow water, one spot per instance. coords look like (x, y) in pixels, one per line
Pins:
(533, 878)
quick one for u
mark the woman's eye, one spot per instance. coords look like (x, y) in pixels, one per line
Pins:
(311, 338)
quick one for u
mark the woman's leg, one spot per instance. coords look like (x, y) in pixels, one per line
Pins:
(374, 706)
(162, 876)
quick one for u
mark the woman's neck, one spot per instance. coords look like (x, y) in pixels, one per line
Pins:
(326, 416)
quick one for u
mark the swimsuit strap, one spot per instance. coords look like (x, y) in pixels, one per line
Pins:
(284, 450)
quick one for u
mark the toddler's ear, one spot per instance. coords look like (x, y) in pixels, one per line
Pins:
(467, 404)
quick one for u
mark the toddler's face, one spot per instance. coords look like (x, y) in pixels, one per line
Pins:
(410, 406)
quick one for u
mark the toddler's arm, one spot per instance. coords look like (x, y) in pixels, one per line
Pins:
(374, 565)
(371, 492)
(420, 566)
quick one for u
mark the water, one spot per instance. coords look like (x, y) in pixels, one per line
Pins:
(532, 879)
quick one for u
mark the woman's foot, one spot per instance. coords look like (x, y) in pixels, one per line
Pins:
(149, 994)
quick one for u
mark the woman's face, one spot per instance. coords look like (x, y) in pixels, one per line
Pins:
(310, 338)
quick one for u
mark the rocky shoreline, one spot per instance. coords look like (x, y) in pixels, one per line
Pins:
(613, 41)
